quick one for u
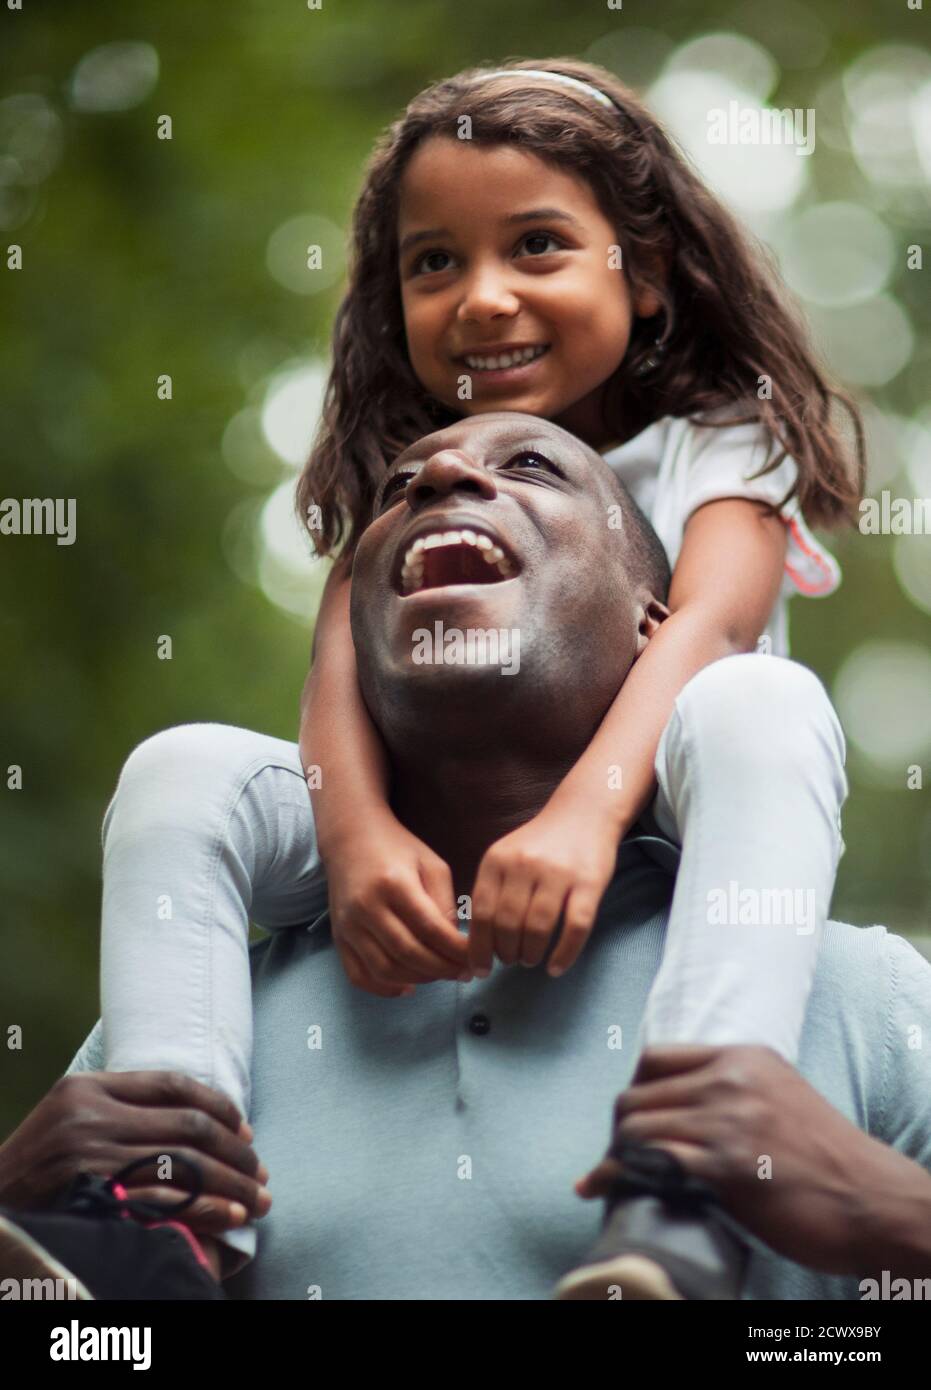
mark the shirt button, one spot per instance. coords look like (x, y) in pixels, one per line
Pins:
(479, 1023)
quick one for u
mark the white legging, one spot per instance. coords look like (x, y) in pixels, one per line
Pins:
(211, 826)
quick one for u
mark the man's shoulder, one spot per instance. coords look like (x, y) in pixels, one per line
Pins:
(855, 953)
(861, 1044)
(865, 972)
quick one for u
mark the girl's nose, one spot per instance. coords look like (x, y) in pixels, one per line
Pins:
(487, 295)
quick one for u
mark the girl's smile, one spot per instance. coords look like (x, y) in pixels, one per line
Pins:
(510, 279)
(504, 363)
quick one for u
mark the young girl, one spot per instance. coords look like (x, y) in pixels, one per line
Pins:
(529, 239)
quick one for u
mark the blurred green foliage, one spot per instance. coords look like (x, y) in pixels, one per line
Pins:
(144, 256)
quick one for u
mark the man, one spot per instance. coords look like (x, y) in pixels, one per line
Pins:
(427, 1147)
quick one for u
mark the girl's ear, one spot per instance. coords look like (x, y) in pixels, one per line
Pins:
(652, 615)
(647, 303)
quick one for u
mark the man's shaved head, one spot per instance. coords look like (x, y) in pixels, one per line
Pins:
(645, 550)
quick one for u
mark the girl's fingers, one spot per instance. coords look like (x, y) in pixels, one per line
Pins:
(481, 932)
(397, 931)
(542, 916)
(513, 901)
(578, 920)
(392, 953)
(361, 977)
(378, 963)
(442, 931)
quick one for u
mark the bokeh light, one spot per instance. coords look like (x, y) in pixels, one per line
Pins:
(742, 61)
(883, 696)
(305, 254)
(114, 77)
(293, 401)
(290, 573)
(757, 180)
(881, 87)
(31, 142)
(866, 344)
(911, 560)
(836, 254)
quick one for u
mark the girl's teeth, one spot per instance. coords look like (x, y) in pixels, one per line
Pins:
(502, 360)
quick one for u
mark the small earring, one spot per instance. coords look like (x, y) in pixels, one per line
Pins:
(650, 363)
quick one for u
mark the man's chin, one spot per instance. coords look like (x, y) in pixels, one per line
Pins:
(466, 643)
(458, 607)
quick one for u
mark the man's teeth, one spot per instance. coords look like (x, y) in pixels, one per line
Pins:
(516, 358)
(412, 569)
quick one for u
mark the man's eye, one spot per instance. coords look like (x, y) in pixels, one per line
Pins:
(530, 458)
(432, 262)
(540, 243)
(393, 487)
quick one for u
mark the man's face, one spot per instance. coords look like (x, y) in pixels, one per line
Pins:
(502, 522)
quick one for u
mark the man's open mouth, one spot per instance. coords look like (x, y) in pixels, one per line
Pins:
(464, 555)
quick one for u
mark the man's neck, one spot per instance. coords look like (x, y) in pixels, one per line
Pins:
(461, 803)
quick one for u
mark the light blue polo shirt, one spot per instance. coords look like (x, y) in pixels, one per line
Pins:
(425, 1148)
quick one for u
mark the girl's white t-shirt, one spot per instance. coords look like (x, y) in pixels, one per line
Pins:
(674, 466)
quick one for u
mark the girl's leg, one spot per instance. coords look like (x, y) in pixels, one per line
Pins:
(209, 826)
(751, 782)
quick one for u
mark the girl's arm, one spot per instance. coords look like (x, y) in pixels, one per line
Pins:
(725, 584)
(391, 898)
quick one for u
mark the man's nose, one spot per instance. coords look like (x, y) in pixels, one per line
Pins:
(446, 472)
(487, 294)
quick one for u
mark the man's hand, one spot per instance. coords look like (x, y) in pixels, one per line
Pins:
(393, 910)
(732, 1115)
(558, 863)
(96, 1122)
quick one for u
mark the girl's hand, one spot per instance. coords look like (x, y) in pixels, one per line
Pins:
(560, 862)
(392, 909)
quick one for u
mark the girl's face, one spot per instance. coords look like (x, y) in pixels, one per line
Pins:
(509, 278)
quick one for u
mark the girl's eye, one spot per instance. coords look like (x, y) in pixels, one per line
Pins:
(540, 243)
(432, 262)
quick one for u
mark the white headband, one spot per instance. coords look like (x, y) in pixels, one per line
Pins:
(560, 77)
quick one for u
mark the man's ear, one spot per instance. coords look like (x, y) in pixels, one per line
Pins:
(652, 615)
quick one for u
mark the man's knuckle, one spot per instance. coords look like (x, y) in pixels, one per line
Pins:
(197, 1127)
(176, 1086)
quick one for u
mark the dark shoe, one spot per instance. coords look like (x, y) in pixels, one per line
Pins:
(665, 1237)
(104, 1245)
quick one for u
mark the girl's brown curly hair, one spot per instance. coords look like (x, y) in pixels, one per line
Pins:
(726, 318)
